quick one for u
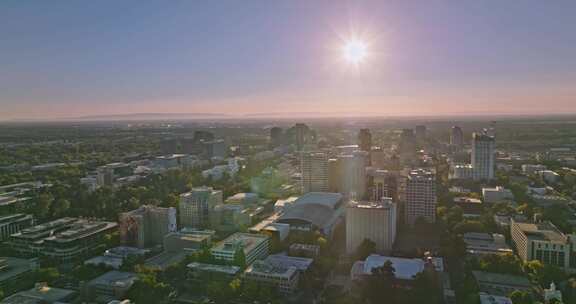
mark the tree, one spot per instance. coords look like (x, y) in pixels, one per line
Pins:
(425, 290)
(544, 274)
(380, 284)
(366, 248)
(521, 297)
(146, 289)
(453, 245)
(47, 275)
(240, 258)
(60, 207)
(498, 263)
(43, 205)
(220, 291)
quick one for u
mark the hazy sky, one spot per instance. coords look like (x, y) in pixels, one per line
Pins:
(74, 58)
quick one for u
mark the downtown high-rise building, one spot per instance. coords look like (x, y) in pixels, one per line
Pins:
(314, 167)
(365, 140)
(419, 196)
(276, 137)
(420, 133)
(146, 226)
(196, 207)
(375, 221)
(483, 154)
(407, 146)
(456, 137)
(350, 173)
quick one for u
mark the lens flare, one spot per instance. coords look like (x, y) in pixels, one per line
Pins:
(354, 51)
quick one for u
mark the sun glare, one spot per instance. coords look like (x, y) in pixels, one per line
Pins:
(354, 51)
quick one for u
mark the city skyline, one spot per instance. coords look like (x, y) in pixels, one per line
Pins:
(257, 58)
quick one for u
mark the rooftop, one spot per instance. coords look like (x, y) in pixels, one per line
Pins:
(405, 268)
(327, 199)
(11, 267)
(247, 241)
(501, 279)
(545, 231)
(467, 200)
(165, 259)
(263, 267)
(115, 278)
(492, 299)
(63, 230)
(39, 295)
(372, 205)
(226, 269)
(279, 260)
(14, 218)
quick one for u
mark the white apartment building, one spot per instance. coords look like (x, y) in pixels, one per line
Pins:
(420, 196)
(375, 221)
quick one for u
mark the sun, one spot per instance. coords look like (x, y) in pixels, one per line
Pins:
(354, 51)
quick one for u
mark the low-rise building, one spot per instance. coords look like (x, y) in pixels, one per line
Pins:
(282, 205)
(530, 169)
(14, 270)
(115, 257)
(492, 299)
(499, 284)
(62, 240)
(41, 294)
(110, 286)
(486, 243)
(471, 207)
(406, 268)
(203, 272)
(243, 198)
(255, 247)
(549, 176)
(234, 217)
(543, 242)
(304, 250)
(497, 194)
(11, 224)
(179, 241)
(285, 279)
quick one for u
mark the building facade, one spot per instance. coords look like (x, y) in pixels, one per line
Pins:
(365, 140)
(146, 226)
(63, 240)
(483, 154)
(314, 166)
(375, 221)
(11, 224)
(543, 242)
(255, 247)
(420, 196)
(284, 279)
(457, 137)
(197, 206)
